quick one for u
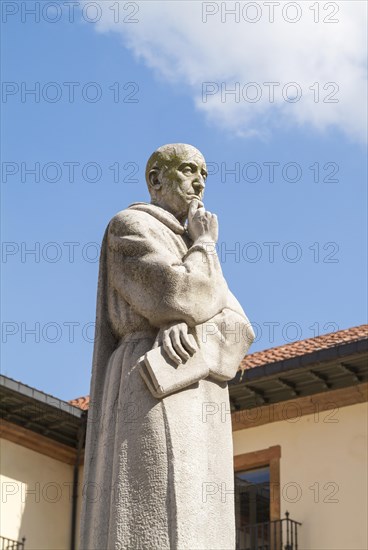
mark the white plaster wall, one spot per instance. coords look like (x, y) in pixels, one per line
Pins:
(323, 459)
(35, 498)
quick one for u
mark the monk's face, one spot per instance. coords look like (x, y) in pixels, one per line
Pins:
(182, 181)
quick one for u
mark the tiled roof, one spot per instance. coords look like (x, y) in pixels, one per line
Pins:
(81, 402)
(281, 353)
(304, 347)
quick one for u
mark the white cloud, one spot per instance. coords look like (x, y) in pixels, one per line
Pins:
(172, 38)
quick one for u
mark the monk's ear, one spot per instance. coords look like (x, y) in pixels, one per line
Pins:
(154, 179)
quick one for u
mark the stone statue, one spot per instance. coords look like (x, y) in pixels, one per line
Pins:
(159, 461)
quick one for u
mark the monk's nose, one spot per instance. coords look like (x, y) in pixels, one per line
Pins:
(199, 184)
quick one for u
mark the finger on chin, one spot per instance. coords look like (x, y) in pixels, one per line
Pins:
(193, 205)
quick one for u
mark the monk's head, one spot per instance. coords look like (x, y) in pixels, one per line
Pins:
(176, 175)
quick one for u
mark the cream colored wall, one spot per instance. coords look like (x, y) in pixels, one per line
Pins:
(79, 504)
(320, 455)
(316, 450)
(35, 498)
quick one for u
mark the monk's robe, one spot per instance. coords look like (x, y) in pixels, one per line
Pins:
(158, 472)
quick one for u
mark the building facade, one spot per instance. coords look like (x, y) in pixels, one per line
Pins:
(299, 417)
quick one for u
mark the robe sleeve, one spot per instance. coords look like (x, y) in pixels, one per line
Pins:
(149, 273)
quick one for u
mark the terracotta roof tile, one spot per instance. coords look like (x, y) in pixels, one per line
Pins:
(81, 402)
(303, 347)
(280, 353)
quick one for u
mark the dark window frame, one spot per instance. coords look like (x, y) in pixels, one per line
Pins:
(257, 459)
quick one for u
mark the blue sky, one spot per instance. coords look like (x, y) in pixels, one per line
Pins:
(313, 283)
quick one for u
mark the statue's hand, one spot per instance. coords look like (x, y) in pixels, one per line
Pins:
(177, 342)
(201, 223)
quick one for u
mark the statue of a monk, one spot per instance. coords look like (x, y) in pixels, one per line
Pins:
(159, 468)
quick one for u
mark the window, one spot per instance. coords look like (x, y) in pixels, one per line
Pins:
(257, 498)
(257, 475)
(252, 496)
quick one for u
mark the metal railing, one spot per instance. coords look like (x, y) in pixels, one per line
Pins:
(280, 534)
(9, 544)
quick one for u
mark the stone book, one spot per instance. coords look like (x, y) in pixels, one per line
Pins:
(222, 343)
(164, 377)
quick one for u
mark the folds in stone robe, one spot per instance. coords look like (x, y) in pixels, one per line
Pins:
(158, 472)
